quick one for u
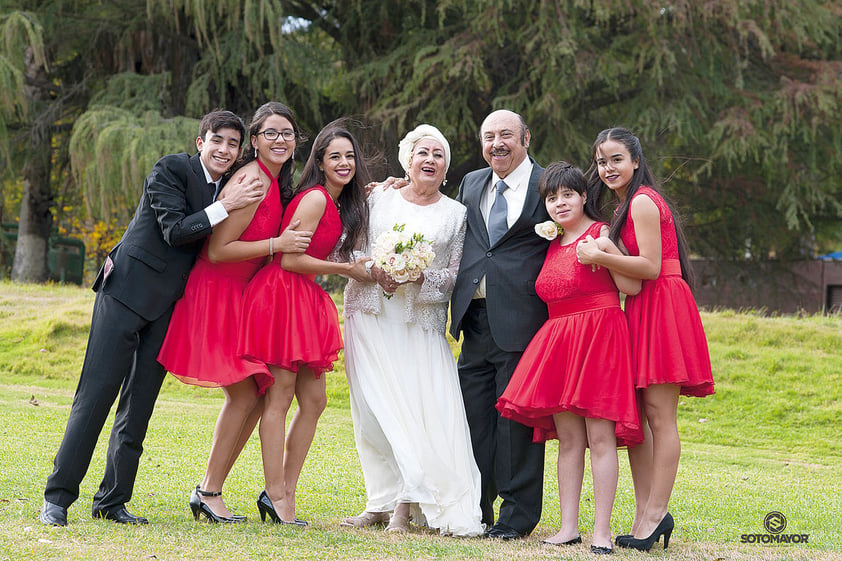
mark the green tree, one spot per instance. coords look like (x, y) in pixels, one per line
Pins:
(735, 101)
(130, 80)
(23, 80)
(62, 51)
(239, 59)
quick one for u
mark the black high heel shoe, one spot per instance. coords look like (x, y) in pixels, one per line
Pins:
(199, 507)
(574, 541)
(645, 544)
(265, 506)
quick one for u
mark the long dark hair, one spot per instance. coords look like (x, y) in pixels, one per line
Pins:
(598, 194)
(353, 208)
(264, 112)
(560, 175)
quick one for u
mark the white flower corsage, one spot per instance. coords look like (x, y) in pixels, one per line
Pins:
(549, 230)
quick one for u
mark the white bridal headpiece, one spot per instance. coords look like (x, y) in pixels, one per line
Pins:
(406, 146)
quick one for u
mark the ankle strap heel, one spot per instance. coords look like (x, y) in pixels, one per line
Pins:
(199, 508)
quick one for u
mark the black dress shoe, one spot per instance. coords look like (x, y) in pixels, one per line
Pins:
(502, 533)
(119, 514)
(601, 550)
(53, 515)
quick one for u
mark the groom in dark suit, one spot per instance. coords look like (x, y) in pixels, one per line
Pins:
(495, 307)
(136, 289)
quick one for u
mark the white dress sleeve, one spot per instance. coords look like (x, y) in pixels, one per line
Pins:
(438, 283)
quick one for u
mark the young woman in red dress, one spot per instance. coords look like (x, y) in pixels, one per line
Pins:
(668, 344)
(291, 324)
(201, 343)
(574, 381)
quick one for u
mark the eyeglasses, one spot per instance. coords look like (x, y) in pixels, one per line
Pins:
(272, 135)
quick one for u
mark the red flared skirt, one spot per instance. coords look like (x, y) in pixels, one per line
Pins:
(289, 321)
(577, 362)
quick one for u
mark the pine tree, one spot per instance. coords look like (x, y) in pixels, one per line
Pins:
(735, 101)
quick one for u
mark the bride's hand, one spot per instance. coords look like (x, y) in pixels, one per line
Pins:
(385, 280)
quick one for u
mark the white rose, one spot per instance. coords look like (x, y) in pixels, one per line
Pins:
(425, 254)
(387, 241)
(400, 275)
(379, 256)
(547, 230)
(393, 262)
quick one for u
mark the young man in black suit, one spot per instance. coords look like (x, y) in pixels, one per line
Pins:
(495, 307)
(136, 289)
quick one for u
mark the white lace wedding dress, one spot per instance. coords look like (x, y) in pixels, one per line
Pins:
(409, 418)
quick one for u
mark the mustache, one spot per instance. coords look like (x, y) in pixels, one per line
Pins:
(499, 152)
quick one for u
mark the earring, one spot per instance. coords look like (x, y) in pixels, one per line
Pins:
(443, 183)
(293, 154)
(255, 153)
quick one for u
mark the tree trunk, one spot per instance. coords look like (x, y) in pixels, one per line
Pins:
(36, 221)
(36, 218)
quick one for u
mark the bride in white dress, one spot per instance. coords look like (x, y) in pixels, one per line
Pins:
(409, 418)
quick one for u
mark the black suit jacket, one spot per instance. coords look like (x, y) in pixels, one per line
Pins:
(155, 254)
(510, 267)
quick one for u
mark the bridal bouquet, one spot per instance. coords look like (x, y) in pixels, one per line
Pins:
(403, 255)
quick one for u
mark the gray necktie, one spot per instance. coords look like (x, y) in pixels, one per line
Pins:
(497, 223)
(214, 186)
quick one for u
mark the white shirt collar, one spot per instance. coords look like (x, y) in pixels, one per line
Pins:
(519, 178)
(208, 177)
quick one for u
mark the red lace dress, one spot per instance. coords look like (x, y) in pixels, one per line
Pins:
(668, 341)
(289, 321)
(579, 361)
(201, 343)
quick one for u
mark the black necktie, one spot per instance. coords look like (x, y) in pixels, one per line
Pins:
(497, 218)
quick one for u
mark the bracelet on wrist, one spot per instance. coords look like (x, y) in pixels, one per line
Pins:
(271, 247)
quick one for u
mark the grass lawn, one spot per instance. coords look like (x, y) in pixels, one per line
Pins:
(769, 440)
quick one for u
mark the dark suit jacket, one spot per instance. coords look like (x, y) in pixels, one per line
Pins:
(154, 256)
(515, 312)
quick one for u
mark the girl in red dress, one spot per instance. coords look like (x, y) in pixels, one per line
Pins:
(291, 324)
(574, 381)
(201, 343)
(669, 348)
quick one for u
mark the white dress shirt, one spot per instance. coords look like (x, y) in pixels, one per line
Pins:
(515, 195)
(216, 211)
